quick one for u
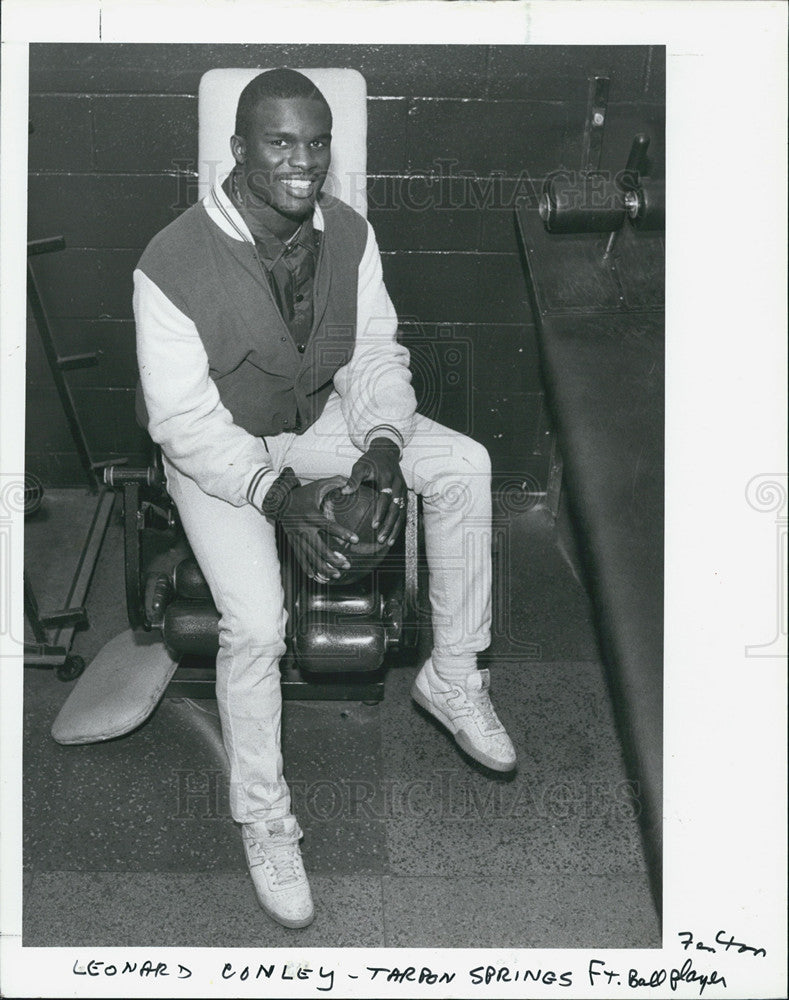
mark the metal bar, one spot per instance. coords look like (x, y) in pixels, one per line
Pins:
(87, 561)
(596, 112)
(200, 682)
(609, 246)
(90, 550)
(42, 655)
(71, 361)
(64, 617)
(635, 161)
(184, 687)
(132, 543)
(63, 390)
(109, 463)
(368, 691)
(73, 614)
(47, 245)
(31, 610)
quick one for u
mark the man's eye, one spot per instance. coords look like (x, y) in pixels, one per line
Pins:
(277, 142)
(320, 143)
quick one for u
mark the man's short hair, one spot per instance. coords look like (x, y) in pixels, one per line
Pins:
(273, 83)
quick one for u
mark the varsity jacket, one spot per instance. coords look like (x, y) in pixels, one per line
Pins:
(218, 369)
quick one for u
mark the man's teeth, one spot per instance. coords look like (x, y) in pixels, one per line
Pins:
(298, 185)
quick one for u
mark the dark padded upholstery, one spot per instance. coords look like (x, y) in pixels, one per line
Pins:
(189, 581)
(605, 380)
(601, 334)
(343, 646)
(191, 627)
(337, 630)
(342, 628)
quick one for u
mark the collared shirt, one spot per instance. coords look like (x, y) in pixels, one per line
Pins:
(291, 272)
(290, 267)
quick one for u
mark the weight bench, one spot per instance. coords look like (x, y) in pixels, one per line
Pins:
(600, 327)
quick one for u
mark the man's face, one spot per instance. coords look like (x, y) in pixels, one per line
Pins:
(286, 155)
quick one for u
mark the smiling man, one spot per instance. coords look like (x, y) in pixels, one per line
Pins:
(282, 148)
(267, 347)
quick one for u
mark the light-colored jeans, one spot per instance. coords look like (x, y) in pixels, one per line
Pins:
(236, 550)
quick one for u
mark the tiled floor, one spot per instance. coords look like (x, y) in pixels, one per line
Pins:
(130, 842)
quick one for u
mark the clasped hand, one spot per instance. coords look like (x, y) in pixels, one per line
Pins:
(317, 541)
(380, 464)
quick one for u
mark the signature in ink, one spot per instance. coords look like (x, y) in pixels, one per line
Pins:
(724, 943)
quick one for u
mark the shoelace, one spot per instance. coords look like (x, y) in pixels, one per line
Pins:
(484, 706)
(282, 860)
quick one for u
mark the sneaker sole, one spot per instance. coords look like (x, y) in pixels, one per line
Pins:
(460, 737)
(285, 921)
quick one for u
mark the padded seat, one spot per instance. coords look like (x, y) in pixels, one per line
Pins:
(338, 628)
(189, 581)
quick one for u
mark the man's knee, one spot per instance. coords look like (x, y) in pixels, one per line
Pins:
(475, 457)
(450, 463)
(468, 458)
(461, 477)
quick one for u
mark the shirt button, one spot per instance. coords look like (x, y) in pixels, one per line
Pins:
(282, 339)
(301, 348)
(299, 298)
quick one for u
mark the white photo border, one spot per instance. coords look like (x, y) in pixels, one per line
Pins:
(725, 733)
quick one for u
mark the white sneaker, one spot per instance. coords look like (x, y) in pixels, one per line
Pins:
(274, 859)
(464, 707)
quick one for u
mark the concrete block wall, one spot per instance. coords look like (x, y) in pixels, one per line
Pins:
(454, 134)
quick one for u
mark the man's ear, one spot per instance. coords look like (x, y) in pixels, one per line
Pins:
(238, 148)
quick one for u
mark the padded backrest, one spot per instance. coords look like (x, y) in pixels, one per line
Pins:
(344, 89)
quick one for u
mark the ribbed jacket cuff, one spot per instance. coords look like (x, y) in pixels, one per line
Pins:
(384, 431)
(259, 485)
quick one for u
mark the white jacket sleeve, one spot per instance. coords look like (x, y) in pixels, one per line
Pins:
(375, 385)
(185, 414)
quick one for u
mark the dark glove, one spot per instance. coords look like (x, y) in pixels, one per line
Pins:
(315, 539)
(380, 464)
